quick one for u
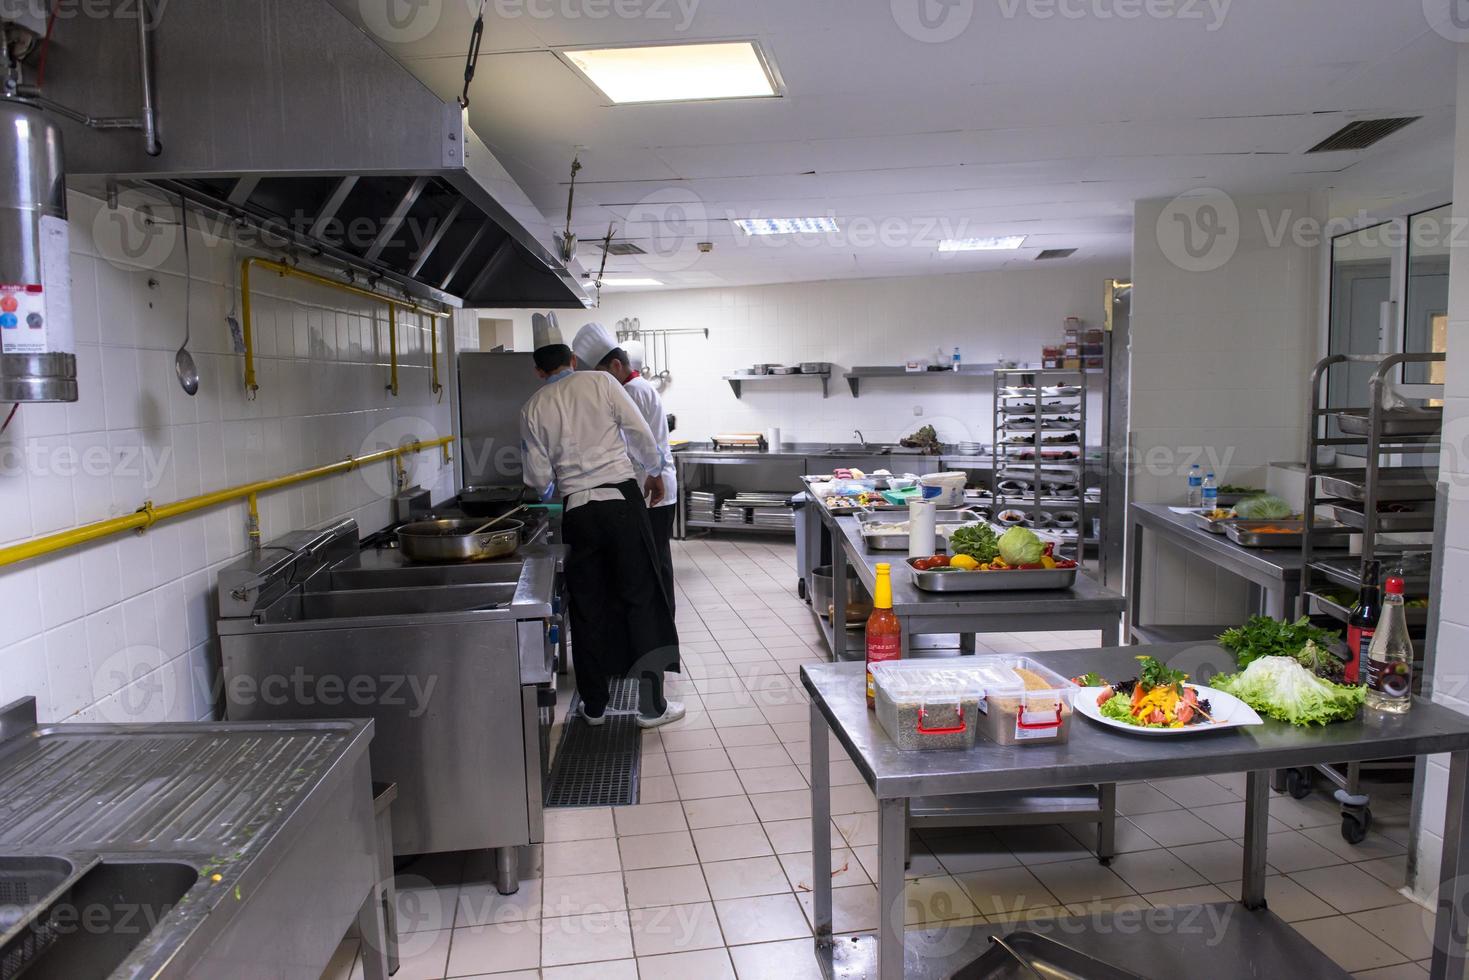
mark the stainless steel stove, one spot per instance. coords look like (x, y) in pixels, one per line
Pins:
(455, 663)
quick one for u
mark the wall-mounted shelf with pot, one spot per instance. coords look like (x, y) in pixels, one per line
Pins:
(873, 372)
(737, 381)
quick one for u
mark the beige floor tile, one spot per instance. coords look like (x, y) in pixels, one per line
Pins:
(795, 835)
(1290, 901)
(665, 886)
(1042, 844)
(758, 756)
(649, 818)
(654, 764)
(1155, 871)
(939, 898)
(1192, 791)
(676, 741)
(746, 877)
(1375, 846)
(1314, 811)
(702, 964)
(969, 850)
(763, 918)
(748, 735)
(1229, 819)
(605, 970)
(846, 869)
(774, 779)
(719, 811)
(1291, 850)
(851, 799)
(658, 789)
(702, 785)
(1080, 881)
(790, 960)
(590, 938)
(729, 843)
(481, 904)
(1407, 928)
(1220, 860)
(1135, 798)
(492, 948)
(675, 929)
(1197, 895)
(581, 857)
(698, 760)
(1349, 945)
(853, 908)
(1348, 889)
(789, 805)
(657, 850)
(1005, 891)
(1392, 871)
(578, 823)
(421, 909)
(578, 895)
(1400, 971)
(1174, 829)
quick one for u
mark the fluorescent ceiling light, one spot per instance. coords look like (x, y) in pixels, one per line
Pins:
(676, 72)
(630, 281)
(785, 226)
(981, 244)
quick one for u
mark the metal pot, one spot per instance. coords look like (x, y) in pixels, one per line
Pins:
(454, 540)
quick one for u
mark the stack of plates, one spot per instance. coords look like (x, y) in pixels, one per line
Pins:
(705, 503)
(764, 509)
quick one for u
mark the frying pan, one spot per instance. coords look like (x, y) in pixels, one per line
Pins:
(456, 540)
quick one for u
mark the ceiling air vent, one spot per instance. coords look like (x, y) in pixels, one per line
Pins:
(1055, 253)
(625, 248)
(1362, 134)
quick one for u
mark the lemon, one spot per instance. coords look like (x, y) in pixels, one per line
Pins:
(966, 562)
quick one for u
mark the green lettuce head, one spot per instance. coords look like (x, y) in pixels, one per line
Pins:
(1020, 546)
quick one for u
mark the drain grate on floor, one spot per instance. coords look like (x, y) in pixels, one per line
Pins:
(599, 766)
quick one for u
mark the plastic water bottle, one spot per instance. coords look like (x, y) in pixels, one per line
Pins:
(1195, 487)
(954, 362)
(1209, 493)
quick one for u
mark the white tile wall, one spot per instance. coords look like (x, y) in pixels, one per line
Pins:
(1451, 653)
(853, 322)
(1220, 364)
(124, 629)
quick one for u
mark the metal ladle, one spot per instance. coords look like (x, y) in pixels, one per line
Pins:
(183, 361)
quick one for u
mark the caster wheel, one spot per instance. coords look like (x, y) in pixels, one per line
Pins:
(1298, 783)
(1354, 826)
(801, 589)
(1105, 862)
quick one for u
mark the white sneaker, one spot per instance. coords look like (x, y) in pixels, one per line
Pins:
(596, 721)
(672, 713)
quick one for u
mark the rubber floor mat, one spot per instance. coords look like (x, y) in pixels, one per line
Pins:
(599, 766)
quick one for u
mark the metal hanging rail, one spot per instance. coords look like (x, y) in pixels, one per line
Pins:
(393, 304)
(148, 515)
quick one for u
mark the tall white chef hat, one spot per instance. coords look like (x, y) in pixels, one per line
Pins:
(545, 331)
(593, 342)
(635, 354)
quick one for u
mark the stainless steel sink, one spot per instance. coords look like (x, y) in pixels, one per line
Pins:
(89, 922)
(26, 882)
(297, 607)
(388, 577)
(858, 449)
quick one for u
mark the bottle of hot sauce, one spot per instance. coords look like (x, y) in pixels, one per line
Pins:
(884, 634)
(1362, 624)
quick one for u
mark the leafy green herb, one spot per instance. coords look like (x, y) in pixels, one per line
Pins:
(1091, 679)
(1154, 673)
(1262, 636)
(1283, 689)
(978, 541)
(1119, 708)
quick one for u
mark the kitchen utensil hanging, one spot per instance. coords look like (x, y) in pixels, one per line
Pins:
(183, 361)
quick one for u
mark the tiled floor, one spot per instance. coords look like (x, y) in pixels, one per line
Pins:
(709, 876)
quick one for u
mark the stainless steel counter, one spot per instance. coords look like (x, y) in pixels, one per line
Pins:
(249, 849)
(1098, 754)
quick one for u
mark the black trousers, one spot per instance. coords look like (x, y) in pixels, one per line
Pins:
(621, 625)
(661, 518)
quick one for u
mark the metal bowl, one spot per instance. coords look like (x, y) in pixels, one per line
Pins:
(453, 540)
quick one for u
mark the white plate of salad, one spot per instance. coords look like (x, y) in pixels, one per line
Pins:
(1160, 701)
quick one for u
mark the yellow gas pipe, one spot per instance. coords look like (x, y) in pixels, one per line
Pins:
(150, 514)
(393, 304)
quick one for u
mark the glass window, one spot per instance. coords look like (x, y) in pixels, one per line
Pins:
(1361, 281)
(1425, 308)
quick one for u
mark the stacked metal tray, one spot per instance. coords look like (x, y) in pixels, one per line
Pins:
(1010, 579)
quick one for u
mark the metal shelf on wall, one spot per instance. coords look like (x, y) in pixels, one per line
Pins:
(874, 372)
(737, 381)
(1041, 405)
(1386, 495)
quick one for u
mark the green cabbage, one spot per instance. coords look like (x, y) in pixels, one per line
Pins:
(1283, 689)
(1264, 507)
(1020, 546)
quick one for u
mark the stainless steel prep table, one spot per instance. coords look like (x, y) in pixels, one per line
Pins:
(1085, 606)
(1276, 572)
(1094, 753)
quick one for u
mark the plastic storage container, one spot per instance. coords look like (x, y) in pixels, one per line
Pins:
(1025, 703)
(923, 705)
(950, 486)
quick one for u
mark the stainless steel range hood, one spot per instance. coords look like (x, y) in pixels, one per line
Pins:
(285, 113)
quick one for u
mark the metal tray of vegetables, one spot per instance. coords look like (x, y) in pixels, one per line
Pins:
(961, 580)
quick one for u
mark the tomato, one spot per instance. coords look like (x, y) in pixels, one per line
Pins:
(1050, 548)
(1065, 563)
(926, 564)
(940, 561)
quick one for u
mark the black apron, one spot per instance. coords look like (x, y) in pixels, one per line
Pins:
(620, 603)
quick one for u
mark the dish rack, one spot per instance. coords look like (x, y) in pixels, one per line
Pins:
(1038, 452)
(1393, 492)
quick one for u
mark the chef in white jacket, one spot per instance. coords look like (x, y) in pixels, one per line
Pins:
(597, 349)
(580, 437)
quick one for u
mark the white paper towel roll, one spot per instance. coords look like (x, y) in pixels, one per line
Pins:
(922, 518)
(772, 438)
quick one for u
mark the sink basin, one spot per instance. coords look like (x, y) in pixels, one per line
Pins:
(297, 607)
(468, 573)
(97, 919)
(26, 882)
(858, 449)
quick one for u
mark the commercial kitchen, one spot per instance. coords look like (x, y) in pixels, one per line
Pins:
(1050, 411)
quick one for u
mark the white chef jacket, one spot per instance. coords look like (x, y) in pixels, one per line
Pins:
(646, 398)
(581, 432)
